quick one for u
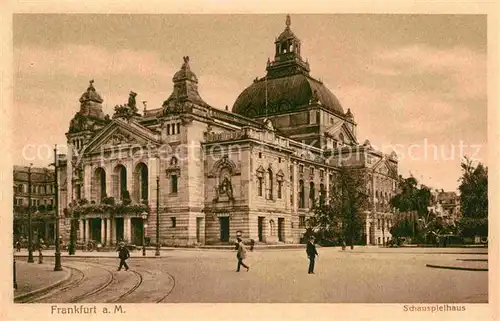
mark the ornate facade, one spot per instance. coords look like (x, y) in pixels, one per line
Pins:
(255, 169)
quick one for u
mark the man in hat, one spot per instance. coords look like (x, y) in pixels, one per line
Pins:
(123, 254)
(241, 255)
(311, 253)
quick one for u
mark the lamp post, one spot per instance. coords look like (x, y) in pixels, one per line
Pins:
(30, 232)
(157, 253)
(144, 218)
(57, 266)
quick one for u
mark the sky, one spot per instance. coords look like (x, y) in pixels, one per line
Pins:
(416, 84)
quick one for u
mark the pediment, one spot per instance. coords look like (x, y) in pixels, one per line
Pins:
(383, 167)
(341, 128)
(119, 133)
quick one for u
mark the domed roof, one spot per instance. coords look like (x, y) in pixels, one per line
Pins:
(91, 94)
(285, 94)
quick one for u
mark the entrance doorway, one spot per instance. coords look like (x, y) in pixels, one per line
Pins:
(224, 229)
(95, 229)
(136, 231)
(119, 229)
(199, 222)
(260, 228)
(281, 229)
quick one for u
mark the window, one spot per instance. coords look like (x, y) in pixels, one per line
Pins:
(174, 221)
(259, 186)
(51, 202)
(331, 121)
(280, 186)
(279, 159)
(378, 224)
(302, 202)
(312, 171)
(322, 192)
(302, 221)
(301, 168)
(174, 181)
(312, 193)
(168, 129)
(260, 155)
(178, 128)
(269, 190)
(321, 173)
(272, 227)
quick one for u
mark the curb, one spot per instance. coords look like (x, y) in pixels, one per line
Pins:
(454, 268)
(44, 290)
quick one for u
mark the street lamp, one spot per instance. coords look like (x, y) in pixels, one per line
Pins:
(57, 266)
(157, 253)
(30, 233)
(144, 225)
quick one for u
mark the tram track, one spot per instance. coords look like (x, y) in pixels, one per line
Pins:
(94, 291)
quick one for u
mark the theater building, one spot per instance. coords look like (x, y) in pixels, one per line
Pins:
(255, 169)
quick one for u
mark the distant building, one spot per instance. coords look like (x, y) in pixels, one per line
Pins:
(42, 203)
(446, 205)
(256, 170)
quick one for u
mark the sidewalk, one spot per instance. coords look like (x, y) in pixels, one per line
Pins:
(34, 278)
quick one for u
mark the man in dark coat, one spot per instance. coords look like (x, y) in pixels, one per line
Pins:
(123, 254)
(311, 254)
(241, 255)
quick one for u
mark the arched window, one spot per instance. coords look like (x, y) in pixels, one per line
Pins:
(259, 185)
(141, 182)
(174, 184)
(120, 183)
(269, 187)
(312, 194)
(302, 202)
(99, 185)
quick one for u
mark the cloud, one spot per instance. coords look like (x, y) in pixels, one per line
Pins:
(465, 67)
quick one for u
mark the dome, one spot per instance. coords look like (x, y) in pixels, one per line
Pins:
(285, 94)
(91, 95)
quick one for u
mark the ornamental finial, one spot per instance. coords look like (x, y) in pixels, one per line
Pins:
(288, 20)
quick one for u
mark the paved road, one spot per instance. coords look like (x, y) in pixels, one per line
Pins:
(280, 276)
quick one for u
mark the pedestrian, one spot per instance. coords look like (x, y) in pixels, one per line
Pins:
(123, 254)
(241, 255)
(311, 254)
(18, 246)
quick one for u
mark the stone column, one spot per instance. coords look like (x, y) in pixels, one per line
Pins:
(130, 180)
(103, 230)
(112, 235)
(127, 232)
(87, 230)
(295, 188)
(81, 230)
(110, 192)
(327, 187)
(109, 240)
(87, 182)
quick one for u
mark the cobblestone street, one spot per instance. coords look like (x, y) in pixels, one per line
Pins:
(362, 275)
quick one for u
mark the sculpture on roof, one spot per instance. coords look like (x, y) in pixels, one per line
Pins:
(131, 101)
(186, 62)
(288, 21)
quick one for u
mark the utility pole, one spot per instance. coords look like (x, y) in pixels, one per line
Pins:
(157, 253)
(57, 266)
(30, 232)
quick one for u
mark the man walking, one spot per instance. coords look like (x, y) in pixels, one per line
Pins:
(311, 254)
(241, 255)
(123, 254)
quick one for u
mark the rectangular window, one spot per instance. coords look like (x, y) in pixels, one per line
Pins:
(168, 129)
(280, 186)
(312, 171)
(302, 221)
(259, 187)
(321, 173)
(174, 221)
(279, 159)
(301, 168)
(178, 128)
(174, 181)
